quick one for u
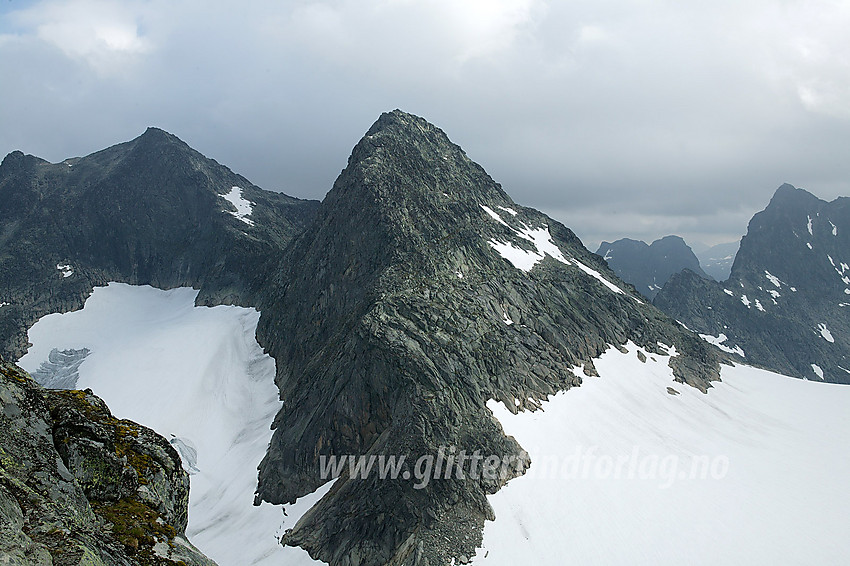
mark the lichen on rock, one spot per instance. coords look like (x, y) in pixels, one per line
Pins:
(80, 487)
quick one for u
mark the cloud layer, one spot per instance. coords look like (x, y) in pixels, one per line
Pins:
(619, 118)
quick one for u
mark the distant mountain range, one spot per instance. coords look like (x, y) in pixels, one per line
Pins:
(648, 267)
(716, 261)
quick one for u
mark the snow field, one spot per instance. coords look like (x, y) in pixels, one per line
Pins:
(196, 373)
(773, 493)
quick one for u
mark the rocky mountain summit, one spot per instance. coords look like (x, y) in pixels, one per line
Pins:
(151, 211)
(80, 487)
(649, 267)
(786, 305)
(421, 291)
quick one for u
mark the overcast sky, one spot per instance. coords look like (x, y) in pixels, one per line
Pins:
(619, 118)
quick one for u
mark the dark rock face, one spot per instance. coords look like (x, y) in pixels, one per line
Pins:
(649, 267)
(717, 260)
(78, 486)
(149, 211)
(787, 301)
(395, 318)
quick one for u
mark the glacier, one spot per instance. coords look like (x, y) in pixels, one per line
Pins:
(197, 376)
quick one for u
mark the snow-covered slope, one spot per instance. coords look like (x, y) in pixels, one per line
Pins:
(625, 472)
(198, 376)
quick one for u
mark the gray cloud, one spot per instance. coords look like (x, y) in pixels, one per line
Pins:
(617, 118)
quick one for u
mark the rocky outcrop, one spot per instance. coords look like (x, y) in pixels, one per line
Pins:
(786, 304)
(649, 267)
(421, 291)
(151, 211)
(80, 487)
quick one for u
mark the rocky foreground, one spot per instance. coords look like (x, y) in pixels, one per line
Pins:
(80, 487)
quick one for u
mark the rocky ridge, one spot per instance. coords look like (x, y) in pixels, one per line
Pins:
(420, 292)
(79, 487)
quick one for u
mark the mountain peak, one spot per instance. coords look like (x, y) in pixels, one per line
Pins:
(788, 281)
(400, 119)
(17, 160)
(789, 195)
(420, 292)
(672, 239)
(153, 136)
(154, 132)
(403, 156)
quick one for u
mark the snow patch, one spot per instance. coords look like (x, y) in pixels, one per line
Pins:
(243, 206)
(596, 275)
(773, 279)
(541, 238)
(65, 269)
(519, 258)
(824, 331)
(774, 294)
(719, 342)
(494, 215)
(746, 301)
(728, 292)
(809, 226)
(196, 373)
(507, 209)
(506, 319)
(834, 229)
(608, 255)
(818, 371)
(758, 305)
(809, 245)
(2, 304)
